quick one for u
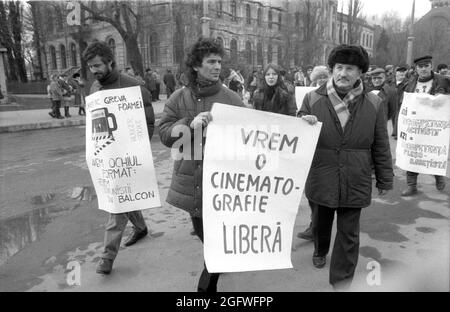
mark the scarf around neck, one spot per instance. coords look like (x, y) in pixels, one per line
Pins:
(203, 87)
(427, 78)
(341, 105)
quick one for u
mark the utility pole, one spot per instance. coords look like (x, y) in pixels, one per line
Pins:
(411, 37)
(205, 19)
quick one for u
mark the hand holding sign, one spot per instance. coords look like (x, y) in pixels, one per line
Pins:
(201, 119)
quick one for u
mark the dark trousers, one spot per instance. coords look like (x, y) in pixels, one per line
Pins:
(208, 281)
(344, 256)
(115, 228)
(56, 105)
(394, 124)
(411, 179)
(169, 91)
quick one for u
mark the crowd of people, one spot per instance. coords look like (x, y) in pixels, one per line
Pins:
(352, 100)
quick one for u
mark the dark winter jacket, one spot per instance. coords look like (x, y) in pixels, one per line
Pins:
(115, 80)
(340, 174)
(389, 99)
(169, 81)
(440, 84)
(181, 108)
(282, 102)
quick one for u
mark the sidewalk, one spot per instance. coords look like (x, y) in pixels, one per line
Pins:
(35, 119)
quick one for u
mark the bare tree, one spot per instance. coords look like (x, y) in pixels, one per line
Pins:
(125, 17)
(11, 39)
(353, 21)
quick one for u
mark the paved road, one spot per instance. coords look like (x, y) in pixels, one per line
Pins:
(43, 230)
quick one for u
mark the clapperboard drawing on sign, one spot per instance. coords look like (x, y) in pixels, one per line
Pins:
(118, 151)
(102, 129)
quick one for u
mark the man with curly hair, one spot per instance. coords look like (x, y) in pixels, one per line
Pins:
(189, 108)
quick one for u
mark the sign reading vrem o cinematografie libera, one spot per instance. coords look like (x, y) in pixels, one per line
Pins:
(255, 168)
(118, 151)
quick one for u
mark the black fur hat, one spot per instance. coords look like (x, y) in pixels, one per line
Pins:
(349, 54)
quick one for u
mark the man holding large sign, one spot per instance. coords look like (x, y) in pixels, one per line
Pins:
(426, 82)
(183, 127)
(255, 169)
(118, 149)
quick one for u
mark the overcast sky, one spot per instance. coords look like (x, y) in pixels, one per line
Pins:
(403, 7)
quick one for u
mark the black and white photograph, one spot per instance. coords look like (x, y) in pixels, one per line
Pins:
(239, 148)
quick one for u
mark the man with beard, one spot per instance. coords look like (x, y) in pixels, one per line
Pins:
(101, 63)
(426, 81)
(353, 137)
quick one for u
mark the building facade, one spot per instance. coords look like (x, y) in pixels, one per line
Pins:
(253, 32)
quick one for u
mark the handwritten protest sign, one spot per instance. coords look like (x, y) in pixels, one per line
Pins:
(424, 133)
(254, 172)
(300, 93)
(118, 151)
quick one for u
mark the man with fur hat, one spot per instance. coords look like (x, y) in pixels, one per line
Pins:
(353, 137)
(426, 81)
(387, 94)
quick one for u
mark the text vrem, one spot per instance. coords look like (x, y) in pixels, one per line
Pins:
(272, 141)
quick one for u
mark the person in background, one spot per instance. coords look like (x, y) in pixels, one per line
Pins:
(400, 81)
(289, 85)
(56, 94)
(426, 81)
(390, 76)
(387, 94)
(80, 93)
(252, 85)
(157, 79)
(169, 81)
(150, 82)
(319, 76)
(442, 69)
(67, 93)
(274, 96)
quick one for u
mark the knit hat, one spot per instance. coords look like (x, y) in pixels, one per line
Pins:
(319, 72)
(351, 55)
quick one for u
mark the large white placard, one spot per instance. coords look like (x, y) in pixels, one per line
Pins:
(424, 133)
(118, 151)
(255, 168)
(300, 93)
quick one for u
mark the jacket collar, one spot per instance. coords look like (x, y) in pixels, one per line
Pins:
(322, 90)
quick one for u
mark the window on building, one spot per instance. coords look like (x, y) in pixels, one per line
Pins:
(154, 48)
(280, 55)
(112, 45)
(248, 14)
(345, 35)
(73, 54)
(259, 17)
(53, 57)
(269, 18)
(49, 21)
(220, 41)
(233, 50)
(363, 39)
(219, 8)
(233, 7)
(297, 19)
(259, 54)
(59, 18)
(62, 51)
(248, 53)
(269, 53)
(280, 17)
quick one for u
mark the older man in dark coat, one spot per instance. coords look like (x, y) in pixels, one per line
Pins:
(353, 137)
(387, 94)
